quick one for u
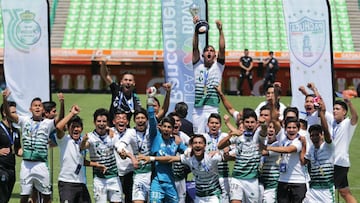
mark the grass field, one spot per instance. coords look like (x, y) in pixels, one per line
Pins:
(89, 102)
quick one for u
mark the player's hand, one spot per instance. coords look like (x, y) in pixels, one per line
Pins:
(6, 92)
(145, 159)
(218, 24)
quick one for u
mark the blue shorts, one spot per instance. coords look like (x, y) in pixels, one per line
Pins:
(163, 192)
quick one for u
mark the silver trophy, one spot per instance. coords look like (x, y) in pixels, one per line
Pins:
(201, 26)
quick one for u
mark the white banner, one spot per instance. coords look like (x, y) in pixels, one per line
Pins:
(178, 31)
(308, 34)
(26, 51)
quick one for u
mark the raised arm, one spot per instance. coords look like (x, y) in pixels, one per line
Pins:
(221, 54)
(166, 103)
(354, 115)
(104, 72)
(12, 117)
(62, 107)
(324, 122)
(60, 126)
(196, 52)
(162, 159)
(84, 143)
(229, 108)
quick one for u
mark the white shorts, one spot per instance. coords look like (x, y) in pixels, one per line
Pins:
(320, 195)
(181, 190)
(34, 173)
(107, 190)
(244, 190)
(269, 195)
(209, 199)
(141, 186)
(201, 116)
(225, 189)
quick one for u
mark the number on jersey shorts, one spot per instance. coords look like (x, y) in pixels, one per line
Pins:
(141, 186)
(107, 189)
(246, 190)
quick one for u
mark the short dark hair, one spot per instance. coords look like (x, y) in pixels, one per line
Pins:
(197, 136)
(342, 104)
(206, 47)
(168, 119)
(10, 103)
(291, 109)
(119, 111)
(316, 128)
(127, 73)
(271, 52)
(292, 120)
(182, 109)
(304, 122)
(35, 99)
(172, 114)
(75, 119)
(216, 116)
(246, 49)
(140, 111)
(48, 105)
(101, 112)
(248, 113)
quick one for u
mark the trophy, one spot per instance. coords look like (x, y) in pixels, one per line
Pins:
(201, 26)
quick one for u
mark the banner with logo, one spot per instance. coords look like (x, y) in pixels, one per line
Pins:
(26, 51)
(308, 33)
(178, 31)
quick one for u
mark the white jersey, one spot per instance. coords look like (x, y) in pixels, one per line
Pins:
(124, 166)
(341, 134)
(291, 170)
(70, 159)
(205, 173)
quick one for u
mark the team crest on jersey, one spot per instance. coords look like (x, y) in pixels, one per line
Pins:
(307, 40)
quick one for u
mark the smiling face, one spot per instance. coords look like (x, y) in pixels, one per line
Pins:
(127, 82)
(250, 124)
(140, 122)
(75, 130)
(120, 121)
(339, 113)
(177, 125)
(309, 105)
(271, 133)
(198, 146)
(100, 124)
(166, 130)
(37, 109)
(292, 130)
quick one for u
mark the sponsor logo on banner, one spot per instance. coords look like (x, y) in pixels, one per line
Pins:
(307, 40)
(24, 30)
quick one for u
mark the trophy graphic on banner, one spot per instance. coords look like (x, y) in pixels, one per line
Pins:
(201, 26)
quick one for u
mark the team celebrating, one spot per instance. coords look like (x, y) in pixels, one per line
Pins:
(278, 153)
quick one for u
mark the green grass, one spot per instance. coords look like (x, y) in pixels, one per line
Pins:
(89, 102)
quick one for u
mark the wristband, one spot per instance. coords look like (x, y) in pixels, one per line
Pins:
(152, 159)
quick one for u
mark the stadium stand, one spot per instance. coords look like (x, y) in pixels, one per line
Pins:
(256, 25)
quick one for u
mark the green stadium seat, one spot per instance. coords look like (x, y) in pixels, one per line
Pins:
(103, 44)
(129, 45)
(80, 44)
(67, 44)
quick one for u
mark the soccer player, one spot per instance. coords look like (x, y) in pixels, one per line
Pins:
(107, 186)
(9, 146)
(202, 165)
(244, 183)
(208, 74)
(35, 135)
(320, 158)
